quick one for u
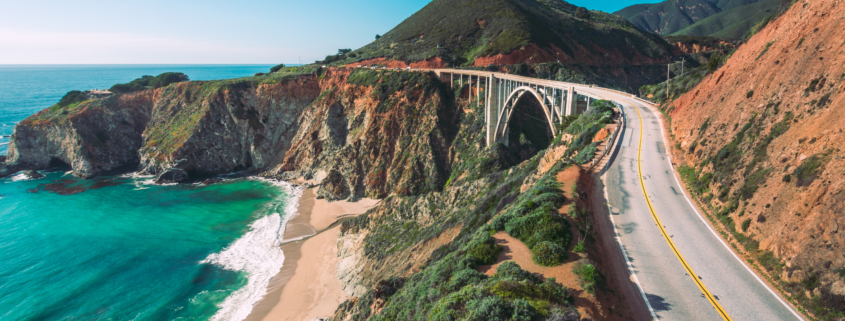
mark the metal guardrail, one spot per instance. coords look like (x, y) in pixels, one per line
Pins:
(611, 140)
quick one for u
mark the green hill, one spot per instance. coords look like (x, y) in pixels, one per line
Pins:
(459, 31)
(734, 23)
(716, 18)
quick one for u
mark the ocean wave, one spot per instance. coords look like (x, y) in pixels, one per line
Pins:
(20, 177)
(1, 144)
(257, 253)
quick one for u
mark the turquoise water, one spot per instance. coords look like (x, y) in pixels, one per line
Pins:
(121, 248)
(27, 89)
(133, 250)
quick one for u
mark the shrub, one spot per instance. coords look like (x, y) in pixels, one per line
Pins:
(749, 94)
(523, 311)
(150, 82)
(579, 248)
(746, 224)
(548, 254)
(277, 67)
(588, 276)
(509, 269)
(713, 63)
(582, 13)
(491, 308)
(486, 251)
(464, 277)
(810, 169)
(543, 224)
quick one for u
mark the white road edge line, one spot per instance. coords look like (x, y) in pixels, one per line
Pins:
(616, 232)
(719, 237)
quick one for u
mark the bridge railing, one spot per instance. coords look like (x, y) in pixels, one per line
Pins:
(537, 81)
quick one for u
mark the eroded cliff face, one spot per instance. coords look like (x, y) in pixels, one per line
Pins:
(365, 133)
(206, 128)
(375, 133)
(92, 137)
(764, 136)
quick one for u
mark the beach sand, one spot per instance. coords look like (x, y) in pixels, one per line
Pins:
(307, 286)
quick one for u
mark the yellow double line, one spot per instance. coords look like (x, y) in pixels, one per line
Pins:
(663, 230)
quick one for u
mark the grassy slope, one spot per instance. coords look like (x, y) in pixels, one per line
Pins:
(733, 23)
(465, 30)
(673, 17)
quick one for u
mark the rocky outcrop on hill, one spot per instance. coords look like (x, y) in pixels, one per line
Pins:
(761, 143)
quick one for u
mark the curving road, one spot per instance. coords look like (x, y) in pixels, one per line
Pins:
(683, 269)
(725, 288)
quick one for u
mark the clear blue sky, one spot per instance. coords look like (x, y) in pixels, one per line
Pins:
(192, 31)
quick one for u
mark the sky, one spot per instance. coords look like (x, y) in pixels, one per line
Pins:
(200, 32)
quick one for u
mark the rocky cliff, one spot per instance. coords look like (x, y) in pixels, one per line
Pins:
(366, 132)
(760, 143)
(92, 137)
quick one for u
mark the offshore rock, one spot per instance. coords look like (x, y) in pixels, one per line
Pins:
(31, 174)
(172, 175)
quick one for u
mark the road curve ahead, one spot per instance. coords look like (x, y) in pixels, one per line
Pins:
(661, 256)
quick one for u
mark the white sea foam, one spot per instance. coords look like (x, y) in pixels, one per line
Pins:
(258, 254)
(1, 144)
(20, 177)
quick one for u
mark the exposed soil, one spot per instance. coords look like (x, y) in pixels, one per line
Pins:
(796, 65)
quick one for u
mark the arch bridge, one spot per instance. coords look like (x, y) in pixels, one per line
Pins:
(499, 94)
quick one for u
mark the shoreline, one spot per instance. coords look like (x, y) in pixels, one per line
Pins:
(306, 287)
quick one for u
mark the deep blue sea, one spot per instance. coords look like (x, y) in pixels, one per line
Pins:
(121, 247)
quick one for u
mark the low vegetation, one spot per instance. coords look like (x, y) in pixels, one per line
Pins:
(149, 82)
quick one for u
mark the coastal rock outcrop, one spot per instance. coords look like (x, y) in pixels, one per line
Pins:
(363, 132)
(91, 137)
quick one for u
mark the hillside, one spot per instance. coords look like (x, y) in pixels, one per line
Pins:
(728, 19)
(466, 32)
(758, 143)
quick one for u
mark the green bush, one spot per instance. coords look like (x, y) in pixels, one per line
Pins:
(486, 251)
(749, 94)
(713, 63)
(277, 67)
(588, 276)
(548, 254)
(579, 247)
(543, 224)
(149, 82)
(73, 96)
(810, 169)
(465, 277)
(746, 224)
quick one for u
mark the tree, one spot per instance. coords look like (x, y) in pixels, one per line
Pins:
(343, 51)
(378, 36)
(582, 13)
(713, 63)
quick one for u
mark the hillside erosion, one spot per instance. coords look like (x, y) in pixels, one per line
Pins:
(760, 141)
(365, 132)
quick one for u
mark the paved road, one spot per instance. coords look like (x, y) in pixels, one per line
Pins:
(670, 291)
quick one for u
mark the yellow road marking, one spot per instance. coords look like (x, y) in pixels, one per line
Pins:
(665, 235)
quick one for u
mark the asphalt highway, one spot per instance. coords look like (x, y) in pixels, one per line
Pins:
(660, 259)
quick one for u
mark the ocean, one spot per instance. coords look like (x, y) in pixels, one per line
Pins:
(121, 247)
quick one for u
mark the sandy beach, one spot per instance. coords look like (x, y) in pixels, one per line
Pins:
(307, 286)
